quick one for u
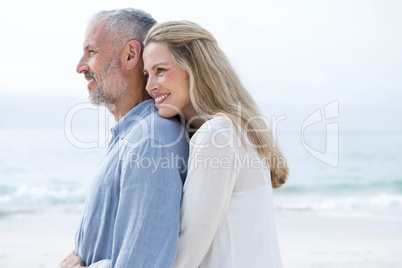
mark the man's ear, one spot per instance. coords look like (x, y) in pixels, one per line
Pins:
(132, 54)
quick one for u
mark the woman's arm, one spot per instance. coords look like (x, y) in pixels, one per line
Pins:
(101, 264)
(207, 191)
(72, 261)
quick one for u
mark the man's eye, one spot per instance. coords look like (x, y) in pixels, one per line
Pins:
(91, 52)
(146, 75)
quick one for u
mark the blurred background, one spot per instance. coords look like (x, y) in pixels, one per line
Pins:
(326, 75)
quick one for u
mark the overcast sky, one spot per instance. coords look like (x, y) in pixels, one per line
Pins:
(299, 53)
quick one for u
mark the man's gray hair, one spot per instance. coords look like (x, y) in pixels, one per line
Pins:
(124, 25)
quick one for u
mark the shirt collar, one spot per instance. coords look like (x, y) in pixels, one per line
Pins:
(133, 117)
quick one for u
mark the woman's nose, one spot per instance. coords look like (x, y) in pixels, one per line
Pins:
(151, 85)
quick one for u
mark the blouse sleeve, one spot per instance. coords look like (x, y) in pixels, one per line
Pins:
(207, 192)
(102, 264)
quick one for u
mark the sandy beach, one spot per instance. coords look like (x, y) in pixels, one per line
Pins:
(318, 242)
(305, 241)
(36, 241)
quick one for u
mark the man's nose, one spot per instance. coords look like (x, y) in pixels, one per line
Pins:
(82, 66)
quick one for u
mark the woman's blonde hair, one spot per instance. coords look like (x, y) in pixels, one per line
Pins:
(215, 88)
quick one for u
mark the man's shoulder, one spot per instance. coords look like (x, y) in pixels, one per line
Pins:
(167, 132)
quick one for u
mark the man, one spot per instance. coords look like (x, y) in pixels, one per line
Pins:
(131, 213)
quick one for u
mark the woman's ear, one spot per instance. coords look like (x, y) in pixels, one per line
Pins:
(133, 54)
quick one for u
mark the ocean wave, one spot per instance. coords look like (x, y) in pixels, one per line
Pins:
(37, 195)
(382, 206)
(392, 186)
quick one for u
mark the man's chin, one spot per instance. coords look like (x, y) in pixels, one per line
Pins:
(96, 99)
(97, 102)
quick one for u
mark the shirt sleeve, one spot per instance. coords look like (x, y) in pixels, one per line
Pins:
(147, 221)
(207, 192)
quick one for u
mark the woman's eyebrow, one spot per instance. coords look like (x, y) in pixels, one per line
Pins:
(159, 63)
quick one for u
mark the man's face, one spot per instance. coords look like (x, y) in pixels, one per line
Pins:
(101, 67)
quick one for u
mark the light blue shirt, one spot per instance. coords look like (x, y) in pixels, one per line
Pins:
(132, 209)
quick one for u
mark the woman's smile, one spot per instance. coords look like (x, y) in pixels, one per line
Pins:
(159, 98)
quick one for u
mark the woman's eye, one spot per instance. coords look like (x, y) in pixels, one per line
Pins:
(146, 75)
(160, 70)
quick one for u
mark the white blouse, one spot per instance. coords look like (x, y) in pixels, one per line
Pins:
(227, 213)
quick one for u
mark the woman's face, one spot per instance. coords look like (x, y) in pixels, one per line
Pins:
(167, 83)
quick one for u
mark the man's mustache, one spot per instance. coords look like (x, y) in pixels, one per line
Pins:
(89, 75)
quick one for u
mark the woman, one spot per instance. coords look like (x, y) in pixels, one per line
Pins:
(227, 215)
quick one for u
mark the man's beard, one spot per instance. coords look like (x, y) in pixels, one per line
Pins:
(110, 84)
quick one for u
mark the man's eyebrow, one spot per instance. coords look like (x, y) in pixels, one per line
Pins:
(88, 47)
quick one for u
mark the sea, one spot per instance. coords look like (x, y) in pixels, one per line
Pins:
(343, 187)
(49, 170)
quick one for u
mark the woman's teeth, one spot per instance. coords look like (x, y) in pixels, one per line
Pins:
(161, 97)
